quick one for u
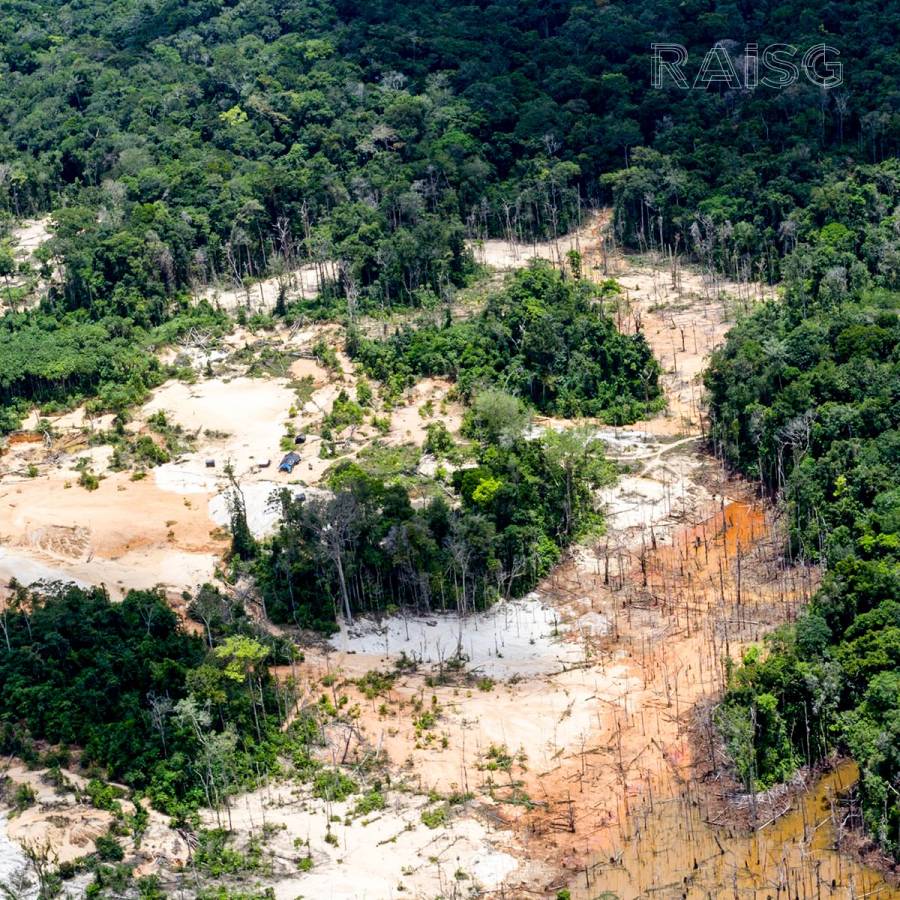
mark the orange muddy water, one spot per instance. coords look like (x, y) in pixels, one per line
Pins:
(674, 852)
(717, 588)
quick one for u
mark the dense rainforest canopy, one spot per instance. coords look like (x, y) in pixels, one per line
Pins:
(544, 337)
(178, 143)
(183, 720)
(806, 396)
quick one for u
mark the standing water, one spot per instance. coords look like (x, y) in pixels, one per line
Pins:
(673, 851)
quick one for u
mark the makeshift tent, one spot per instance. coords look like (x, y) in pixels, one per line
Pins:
(290, 460)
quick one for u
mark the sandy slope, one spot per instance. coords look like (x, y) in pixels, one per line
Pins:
(126, 534)
(27, 238)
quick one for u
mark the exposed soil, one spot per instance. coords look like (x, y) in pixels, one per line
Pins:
(596, 735)
(26, 239)
(126, 534)
(166, 528)
(261, 296)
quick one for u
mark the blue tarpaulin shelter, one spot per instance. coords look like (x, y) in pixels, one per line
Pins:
(290, 460)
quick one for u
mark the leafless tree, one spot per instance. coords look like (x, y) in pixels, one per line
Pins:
(160, 709)
(335, 522)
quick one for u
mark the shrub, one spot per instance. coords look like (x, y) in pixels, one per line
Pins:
(333, 785)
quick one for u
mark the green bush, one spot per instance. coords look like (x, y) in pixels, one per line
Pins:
(333, 785)
(109, 849)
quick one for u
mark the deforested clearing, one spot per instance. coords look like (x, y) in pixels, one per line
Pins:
(563, 718)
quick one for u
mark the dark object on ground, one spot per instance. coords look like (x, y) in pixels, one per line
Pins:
(290, 460)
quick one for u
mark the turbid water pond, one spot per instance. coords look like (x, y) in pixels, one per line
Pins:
(674, 851)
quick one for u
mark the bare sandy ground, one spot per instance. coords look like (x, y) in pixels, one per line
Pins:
(123, 535)
(521, 637)
(593, 713)
(166, 529)
(386, 854)
(645, 612)
(30, 236)
(262, 296)
(14, 872)
(240, 421)
(505, 255)
(26, 238)
(62, 825)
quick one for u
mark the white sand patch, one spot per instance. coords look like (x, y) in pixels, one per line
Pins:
(321, 400)
(262, 502)
(30, 235)
(386, 854)
(185, 478)
(250, 410)
(519, 637)
(494, 868)
(626, 443)
(27, 570)
(666, 493)
(593, 624)
(251, 414)
(141, 570)
(303, 282)
(503, 254)
(27, 238)
(77, 418)
(98, 458)
(192, 356)
(14, 866)
(635, 502)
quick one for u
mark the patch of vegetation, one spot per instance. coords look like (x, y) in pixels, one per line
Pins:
(333, 785)
(109, 849)
(215, 857)
(105, 796)
(129, 687)
(375, 683)
(804, 397)
(438, 440)
(372, 801)
(391, 464)
(52, 356)
(544, 338)
(23, 797)
(368, 546)
(435, 817)
(86, 477)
